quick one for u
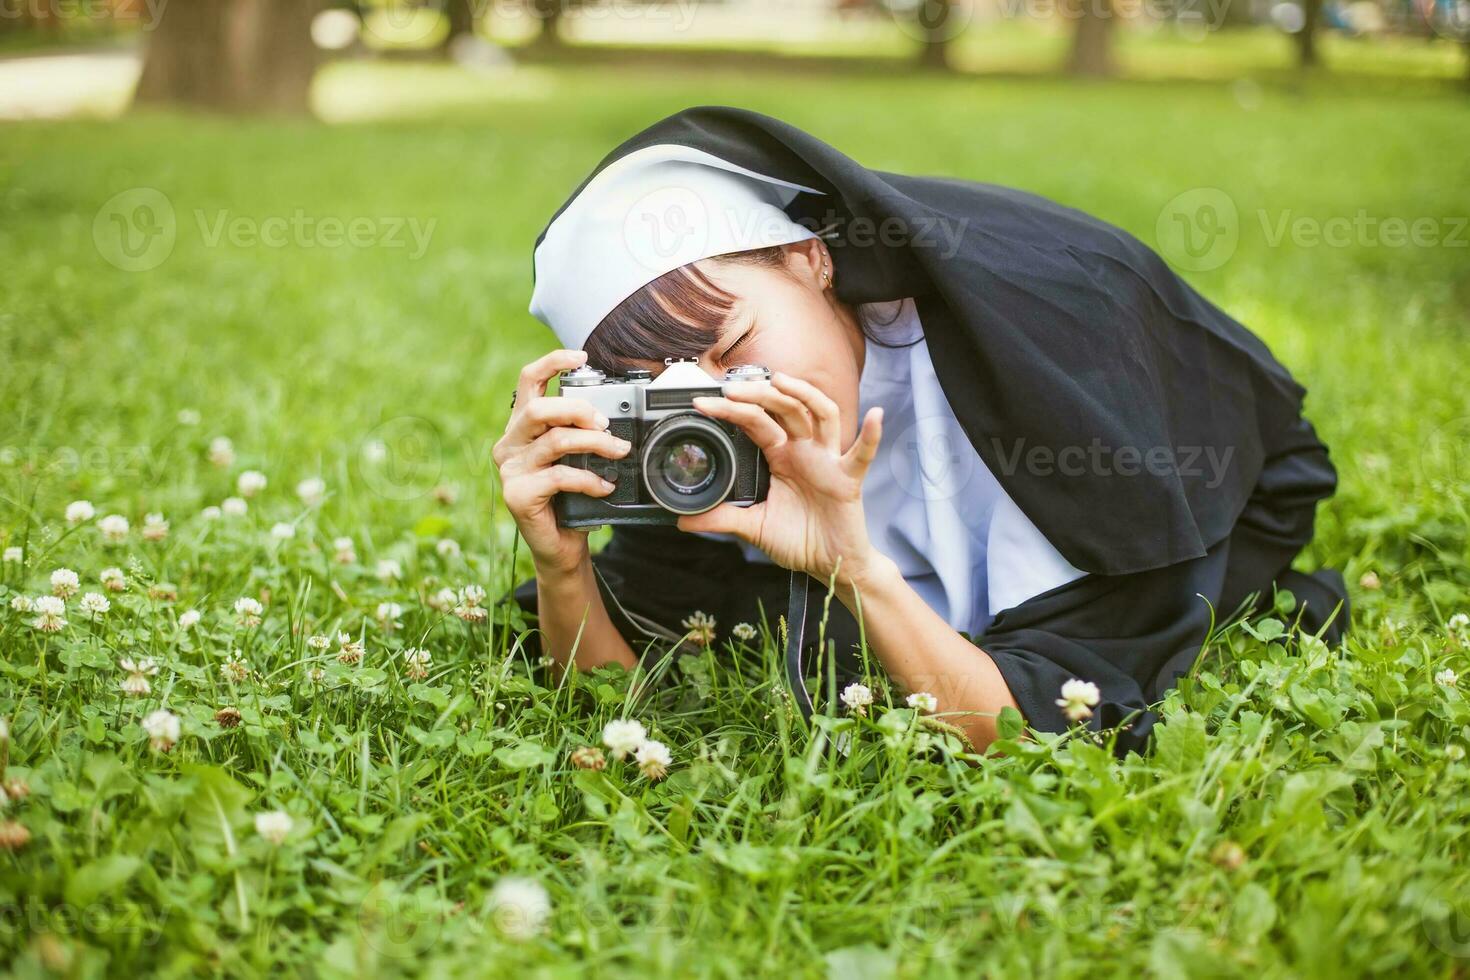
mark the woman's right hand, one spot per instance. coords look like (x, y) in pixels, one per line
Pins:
(540, 431)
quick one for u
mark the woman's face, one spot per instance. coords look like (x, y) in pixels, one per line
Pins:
(790, 321)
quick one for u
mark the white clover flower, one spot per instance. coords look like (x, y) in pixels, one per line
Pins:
(374, 451)
(923, 701)
(234, 506)
(446, 494)
(700, 626)
(249, 610)
(443, 600)
(389, 570)
(188, 619)
(138, 672)
(447, 548)
(65, 583)
(112, 579)
(211, 513)
(114, 528)
(623, 736)
(519, 907)
(163, 729)
(274, 826)
(469, 608)
(235, 669)
(312, 490)
(1454, 752)
(857, 697)
(283, 531)
(345, 554)
(221, 451)
(417, 663)
(250, 483)
(50, 614)
(653, 759)
(22, 603)
(743, 631)
(350, 651)
(1078, 699)
(1447, 677)
(94, 605)
(318, 642)
(1459, 622)
(155, 528)
(188, 416)
(13, 555)
(388, 613)
(80, 512)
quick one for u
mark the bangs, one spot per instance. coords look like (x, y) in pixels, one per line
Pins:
(680, 314)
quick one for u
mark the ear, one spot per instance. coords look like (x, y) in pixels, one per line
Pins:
(806, 260)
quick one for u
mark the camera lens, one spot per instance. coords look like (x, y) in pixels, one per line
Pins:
(688, 464)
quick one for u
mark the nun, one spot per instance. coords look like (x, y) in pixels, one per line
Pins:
(1013, 456)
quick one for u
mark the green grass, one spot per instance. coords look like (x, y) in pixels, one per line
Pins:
(1304, 812)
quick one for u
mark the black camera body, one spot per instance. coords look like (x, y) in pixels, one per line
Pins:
(681, 461)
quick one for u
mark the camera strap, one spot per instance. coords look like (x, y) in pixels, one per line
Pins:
(796, 611)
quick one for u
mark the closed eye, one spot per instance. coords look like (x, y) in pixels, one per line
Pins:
(735, 346)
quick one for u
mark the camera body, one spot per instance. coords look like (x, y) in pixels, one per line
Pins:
(681, 461)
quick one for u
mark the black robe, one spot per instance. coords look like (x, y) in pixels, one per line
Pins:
(1153, 439)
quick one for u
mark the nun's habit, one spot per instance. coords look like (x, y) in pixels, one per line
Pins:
(1137, 460)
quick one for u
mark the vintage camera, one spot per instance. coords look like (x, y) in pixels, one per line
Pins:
(681, 462)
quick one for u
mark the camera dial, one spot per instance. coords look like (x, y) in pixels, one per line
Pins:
(582, 376)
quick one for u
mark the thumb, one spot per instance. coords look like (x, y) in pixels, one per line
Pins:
(865, 447)
(727, 518)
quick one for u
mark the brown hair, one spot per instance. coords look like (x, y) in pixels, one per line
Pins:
(679, 314)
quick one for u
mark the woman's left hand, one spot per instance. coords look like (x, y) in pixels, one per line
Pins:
(812, 518)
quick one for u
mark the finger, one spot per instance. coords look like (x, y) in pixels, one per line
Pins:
(532, 381)
(792, 414)
(859, 456)
(547, 413)
(827, 420)
(561, 441)
(727, 518)
(752, 419)
(542, 484)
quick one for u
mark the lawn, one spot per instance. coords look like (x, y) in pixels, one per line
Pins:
(1303, 812)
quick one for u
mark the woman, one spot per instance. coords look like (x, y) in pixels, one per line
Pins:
(1003, 430)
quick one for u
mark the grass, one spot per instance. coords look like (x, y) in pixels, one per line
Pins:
(1302, 814)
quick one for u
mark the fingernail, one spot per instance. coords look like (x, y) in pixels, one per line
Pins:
(601, 420)
(606, 485)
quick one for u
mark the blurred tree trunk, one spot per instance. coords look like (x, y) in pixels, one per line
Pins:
(1306, 38)
(548, 12)
(936, 21)
(232, 56)
(1092, 41)
(461, 17)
